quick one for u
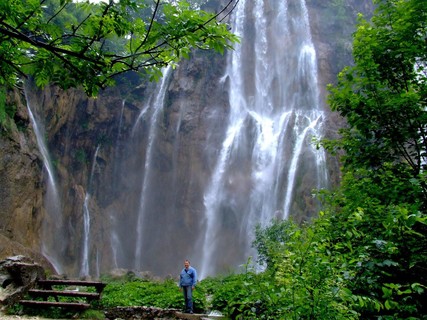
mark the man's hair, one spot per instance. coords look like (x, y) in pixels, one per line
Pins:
(186, 260)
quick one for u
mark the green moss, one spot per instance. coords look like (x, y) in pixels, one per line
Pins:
(81, 156)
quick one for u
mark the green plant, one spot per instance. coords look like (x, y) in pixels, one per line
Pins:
(92, 314)
(161, 294)
(245, 296)
(378, 222)
(270, 239)
(7, 111)
(2, 105)
(81, 156)
(50, 313)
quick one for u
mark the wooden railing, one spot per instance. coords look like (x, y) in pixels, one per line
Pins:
(47, 288)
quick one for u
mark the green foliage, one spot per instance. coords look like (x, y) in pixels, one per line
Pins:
(382, 240)
(71, 43)
(270, 240)
(344, 266)
(48, 313)
(377, 216)
(81, 156)
(136, 292)
(245, 296)
(383, 97)
(7, 111)
(92, 314)
(303, 279)
(2, 105)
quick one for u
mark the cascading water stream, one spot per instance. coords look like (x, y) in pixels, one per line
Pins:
(84, 270)
(51, 244)
(115, 243)
(274, 111)
(294, 163)
(156, 106)
(119, 139)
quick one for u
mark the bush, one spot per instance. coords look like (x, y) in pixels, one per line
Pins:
(160, 294)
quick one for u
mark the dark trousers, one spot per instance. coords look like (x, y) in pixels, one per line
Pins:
(188, 297)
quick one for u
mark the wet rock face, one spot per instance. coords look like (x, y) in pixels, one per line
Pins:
(21, 183)
(332, 25)
(18, 274)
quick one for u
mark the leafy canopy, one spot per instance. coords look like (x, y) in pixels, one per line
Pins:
(81, 43)
(383, 97)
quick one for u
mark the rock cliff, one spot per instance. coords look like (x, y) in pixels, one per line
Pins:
(21, 186)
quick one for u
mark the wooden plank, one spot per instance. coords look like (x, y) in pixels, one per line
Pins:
(57, 293)
(69, 305)
(83, 283)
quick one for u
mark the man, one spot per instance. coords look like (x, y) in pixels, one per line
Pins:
(187, 283)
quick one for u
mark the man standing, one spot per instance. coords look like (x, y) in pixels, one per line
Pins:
(187, 283)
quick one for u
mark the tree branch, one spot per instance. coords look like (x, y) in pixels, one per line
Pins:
(20, 36)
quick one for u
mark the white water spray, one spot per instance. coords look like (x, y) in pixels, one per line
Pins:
(51, 247)
(274, 113)
(84, 270)
(157, 107)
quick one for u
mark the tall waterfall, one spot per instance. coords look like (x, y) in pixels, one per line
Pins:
(84, 270)
(274, 112)
(52, 244)
(157, 105)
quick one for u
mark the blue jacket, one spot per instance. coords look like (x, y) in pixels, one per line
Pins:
(188, 278)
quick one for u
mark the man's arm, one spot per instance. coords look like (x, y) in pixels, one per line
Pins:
(194, 278)
(180, 280)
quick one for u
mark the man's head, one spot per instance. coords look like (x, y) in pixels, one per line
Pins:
(186, 264)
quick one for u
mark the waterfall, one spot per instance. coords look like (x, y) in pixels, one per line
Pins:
(118, 139)
(114, 238)
(84, 270)
(157, 106)
(267, 152)
(201, 158)
(51, 240)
